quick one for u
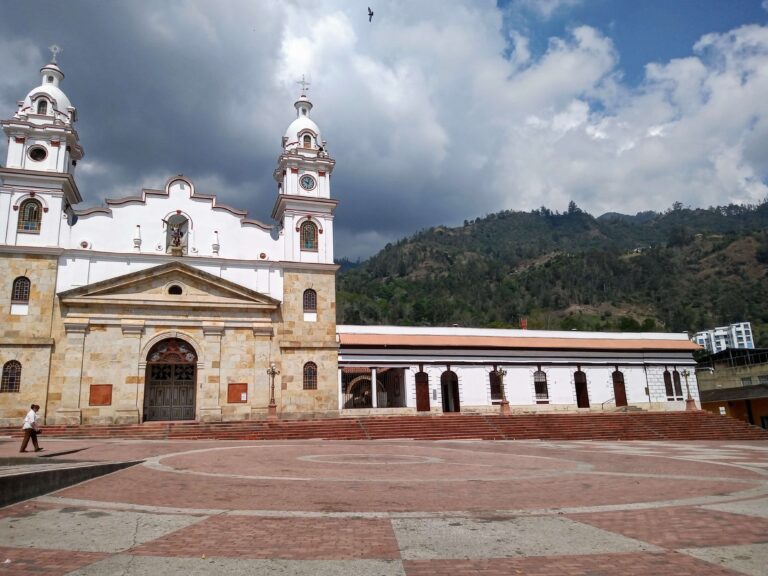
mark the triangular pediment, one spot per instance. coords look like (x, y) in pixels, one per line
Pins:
(160, 286)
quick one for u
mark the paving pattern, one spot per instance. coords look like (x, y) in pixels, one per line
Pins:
(404, 508)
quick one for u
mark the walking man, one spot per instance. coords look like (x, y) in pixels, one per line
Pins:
(31, 429)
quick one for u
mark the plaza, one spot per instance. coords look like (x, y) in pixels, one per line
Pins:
(397, 507)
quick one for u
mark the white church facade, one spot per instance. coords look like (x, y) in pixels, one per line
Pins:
(167, 305)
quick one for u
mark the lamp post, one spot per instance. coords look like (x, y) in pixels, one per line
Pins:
(504, 406)
(272, 408)
(690, 403)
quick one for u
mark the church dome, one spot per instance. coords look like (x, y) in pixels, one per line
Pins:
(302, 126)
(49, 88)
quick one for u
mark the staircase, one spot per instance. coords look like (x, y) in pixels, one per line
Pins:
(605, 426)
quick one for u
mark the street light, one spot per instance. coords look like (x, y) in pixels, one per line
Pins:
(690, 403)
(504, 403)
(272, 408)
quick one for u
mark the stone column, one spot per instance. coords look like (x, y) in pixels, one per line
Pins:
(69, 412)
(209, 378)
(127, 408)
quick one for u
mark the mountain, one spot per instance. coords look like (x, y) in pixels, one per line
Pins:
(684, 269)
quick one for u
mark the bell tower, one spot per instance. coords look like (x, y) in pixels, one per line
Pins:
(42, 135)
(304, 206)
(37, 184)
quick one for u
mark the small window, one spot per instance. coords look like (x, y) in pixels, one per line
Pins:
(38, 153)
(746, 381)
(310, 376)
(42, 107)
(20, 291)
(307, 141)
(310, 300)
(540, 384)
(49, 79)
(762, 380)
(11, 380)
(30, 215)
(309, 237)
(175, 290)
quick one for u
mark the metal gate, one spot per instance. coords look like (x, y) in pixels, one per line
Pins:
(171, 377)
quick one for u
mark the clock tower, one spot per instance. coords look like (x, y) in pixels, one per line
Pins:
(304, 207)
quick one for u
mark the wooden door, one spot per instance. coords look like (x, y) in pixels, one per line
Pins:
(582, 393)
(619, 390)
(422, 392)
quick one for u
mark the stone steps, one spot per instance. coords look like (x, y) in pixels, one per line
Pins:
(610, 426)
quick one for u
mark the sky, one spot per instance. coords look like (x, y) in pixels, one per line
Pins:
(436, 112)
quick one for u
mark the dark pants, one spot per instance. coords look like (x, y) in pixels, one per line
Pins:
(29, 433)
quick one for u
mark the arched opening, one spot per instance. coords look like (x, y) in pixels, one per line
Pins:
(307, 141)
(176, 233)
(11, 379)
(449, 383)
(310, 300)
(619, 391)
(309, 236)
(30, 216)
(494, 379)
(170, 381)
(582, 393)
(42, 107)
(310, 376)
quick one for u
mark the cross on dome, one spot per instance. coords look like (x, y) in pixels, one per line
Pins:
(304, 85)
(55, 51)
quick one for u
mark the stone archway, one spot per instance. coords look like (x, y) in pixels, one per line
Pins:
(171, 379)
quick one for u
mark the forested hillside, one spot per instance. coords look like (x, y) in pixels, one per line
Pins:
(685, 269)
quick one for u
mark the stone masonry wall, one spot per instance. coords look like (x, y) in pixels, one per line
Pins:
(26, 338)
(303, 341)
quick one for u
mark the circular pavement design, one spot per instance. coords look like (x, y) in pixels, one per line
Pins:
(353, 478)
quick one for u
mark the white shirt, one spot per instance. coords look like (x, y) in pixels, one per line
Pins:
(30, 421)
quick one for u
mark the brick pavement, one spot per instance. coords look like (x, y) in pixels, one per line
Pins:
(402, 509)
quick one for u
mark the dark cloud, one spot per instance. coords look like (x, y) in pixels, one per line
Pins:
(433, 115)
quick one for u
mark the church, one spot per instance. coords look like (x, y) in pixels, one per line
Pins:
(167, 305)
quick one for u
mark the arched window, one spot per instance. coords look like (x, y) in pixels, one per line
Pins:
(30, 215)
(540, 385)
(310, 300)
(672, 386)
(495, 381)
(42, 107)
(307, 141)
(20, 291)
(678, 384)
(11, 380)
(310, 376)
(309, 236)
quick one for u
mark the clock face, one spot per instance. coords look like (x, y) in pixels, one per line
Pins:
(307, 182)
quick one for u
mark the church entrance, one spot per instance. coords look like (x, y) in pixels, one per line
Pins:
(170, 381)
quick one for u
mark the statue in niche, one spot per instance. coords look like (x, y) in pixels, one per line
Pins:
(176, 228)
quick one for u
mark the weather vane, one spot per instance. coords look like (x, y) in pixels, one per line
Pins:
(55, 51)
(304, 85)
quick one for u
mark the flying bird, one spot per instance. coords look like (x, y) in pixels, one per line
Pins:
(370, 14)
